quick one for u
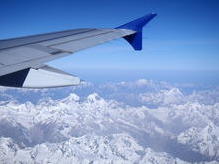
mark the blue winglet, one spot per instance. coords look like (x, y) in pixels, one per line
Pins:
(136, 39)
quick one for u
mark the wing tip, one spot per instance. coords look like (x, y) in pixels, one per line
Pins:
(137, 25)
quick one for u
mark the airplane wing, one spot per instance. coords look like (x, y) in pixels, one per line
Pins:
(22, 59)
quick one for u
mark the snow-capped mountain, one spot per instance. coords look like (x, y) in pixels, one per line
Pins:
(166, 125)
(117, 148)
(203, 140)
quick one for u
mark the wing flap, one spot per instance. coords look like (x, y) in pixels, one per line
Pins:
(30, 63)
(22, 54)
(44, 77)
(47, 77)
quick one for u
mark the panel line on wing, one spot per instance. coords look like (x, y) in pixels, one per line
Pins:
(80, 38)
(80, 42)
(38, 41)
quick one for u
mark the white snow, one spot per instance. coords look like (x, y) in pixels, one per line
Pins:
(99, 130)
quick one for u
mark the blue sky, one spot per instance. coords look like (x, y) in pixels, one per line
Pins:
(184, 35)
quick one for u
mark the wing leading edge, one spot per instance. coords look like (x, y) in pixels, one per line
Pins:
(21, 59)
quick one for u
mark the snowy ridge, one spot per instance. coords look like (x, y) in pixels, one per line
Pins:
(119, 148)
(174, 128)
(203, 140)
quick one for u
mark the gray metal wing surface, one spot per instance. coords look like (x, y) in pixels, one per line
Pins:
(22, 59)
(21, 53)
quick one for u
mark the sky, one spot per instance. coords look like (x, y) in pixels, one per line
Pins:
(183, 37)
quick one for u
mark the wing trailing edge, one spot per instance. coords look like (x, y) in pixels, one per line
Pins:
(44, 77)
